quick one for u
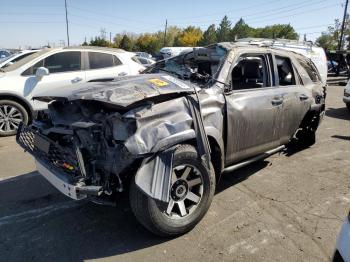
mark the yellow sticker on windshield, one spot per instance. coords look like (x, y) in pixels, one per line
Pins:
(158, 82)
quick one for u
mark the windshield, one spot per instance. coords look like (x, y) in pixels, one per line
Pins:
(25, 60)
(200, 65)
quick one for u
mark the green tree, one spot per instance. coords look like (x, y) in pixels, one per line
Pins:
(98, 41)
(149, 43)
(126, 43)
(209, 36)
(190, 36)
(285, 31)
(224, 30)
(241, 30)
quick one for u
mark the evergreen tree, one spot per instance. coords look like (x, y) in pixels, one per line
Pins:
(224, 30)
(209, 36)
(126, 43)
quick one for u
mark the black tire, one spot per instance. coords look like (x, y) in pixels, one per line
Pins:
(22, 116)
(152, 214)
(348, 106)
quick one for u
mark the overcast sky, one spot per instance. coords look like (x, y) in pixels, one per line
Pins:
(37, 22)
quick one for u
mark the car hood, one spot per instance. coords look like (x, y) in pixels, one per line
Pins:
(123, 91)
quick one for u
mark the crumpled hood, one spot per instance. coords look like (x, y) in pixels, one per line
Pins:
(123, 91)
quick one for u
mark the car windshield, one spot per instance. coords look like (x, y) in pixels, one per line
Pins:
(25, 60)
(199, 66)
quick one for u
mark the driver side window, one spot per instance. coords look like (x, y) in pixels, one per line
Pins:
(250, 71)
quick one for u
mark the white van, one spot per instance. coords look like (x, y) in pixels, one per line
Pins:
(168, 52)
(315, 53)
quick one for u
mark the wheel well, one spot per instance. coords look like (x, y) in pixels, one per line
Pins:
(216, 156)
(21, 102)
(310, 120)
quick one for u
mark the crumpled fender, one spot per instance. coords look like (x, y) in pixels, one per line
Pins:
(154, 175)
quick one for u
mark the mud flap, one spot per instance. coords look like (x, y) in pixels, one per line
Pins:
(154, 175)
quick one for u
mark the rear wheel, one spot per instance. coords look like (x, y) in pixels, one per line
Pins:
(191, 193)
(11, 115)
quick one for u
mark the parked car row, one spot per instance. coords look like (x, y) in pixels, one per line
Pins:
(11, 59)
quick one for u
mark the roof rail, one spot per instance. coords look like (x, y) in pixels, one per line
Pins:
(267, 42)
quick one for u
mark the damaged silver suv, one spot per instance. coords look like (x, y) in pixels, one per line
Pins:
(167, 135)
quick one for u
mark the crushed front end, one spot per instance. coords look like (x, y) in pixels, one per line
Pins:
(74, 148)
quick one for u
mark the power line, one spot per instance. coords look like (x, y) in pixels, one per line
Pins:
(295, 14)
(31, 22)
(223, 12)
(111, 16)
(273, 11)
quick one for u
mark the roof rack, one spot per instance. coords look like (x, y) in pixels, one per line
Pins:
(267, 42)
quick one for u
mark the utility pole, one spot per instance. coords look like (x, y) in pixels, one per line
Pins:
(343, 26)
(65, 4)
(110, 37)
(165, 30)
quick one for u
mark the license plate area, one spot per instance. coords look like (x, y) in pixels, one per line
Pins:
(41, 144)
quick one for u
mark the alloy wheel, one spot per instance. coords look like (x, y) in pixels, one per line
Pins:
(186, 191)
(10, 118)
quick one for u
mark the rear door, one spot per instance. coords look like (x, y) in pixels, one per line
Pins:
(253, 107)
(103, 66)
(296, 98)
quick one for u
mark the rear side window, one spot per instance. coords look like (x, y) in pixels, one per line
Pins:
(102, 60)
(285, 71)
(58, 63)
(310, 69)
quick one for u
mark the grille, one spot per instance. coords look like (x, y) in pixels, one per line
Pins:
(41, 147)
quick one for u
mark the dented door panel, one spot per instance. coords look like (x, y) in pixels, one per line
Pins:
(252, 121)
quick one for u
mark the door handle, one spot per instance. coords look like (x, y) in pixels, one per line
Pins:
(303, 97)
(76, 80)
(277, 101)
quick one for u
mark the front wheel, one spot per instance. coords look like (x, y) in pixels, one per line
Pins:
(11, 115)
(191, 193)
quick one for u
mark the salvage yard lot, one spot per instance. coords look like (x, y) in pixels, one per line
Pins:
(287, 208)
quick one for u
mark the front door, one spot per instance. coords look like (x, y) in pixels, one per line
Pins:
(65, 72)
(253, 108)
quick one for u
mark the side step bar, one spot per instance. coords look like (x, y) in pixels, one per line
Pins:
(254, 159)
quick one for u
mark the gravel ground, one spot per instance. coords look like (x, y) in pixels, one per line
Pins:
(287, 208)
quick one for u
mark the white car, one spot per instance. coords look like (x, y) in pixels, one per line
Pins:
(346, 97)
(145, 61)
(16, 57)
(55, 69)
(342, 252)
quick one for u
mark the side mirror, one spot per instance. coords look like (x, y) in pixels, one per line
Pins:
(41, 71)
